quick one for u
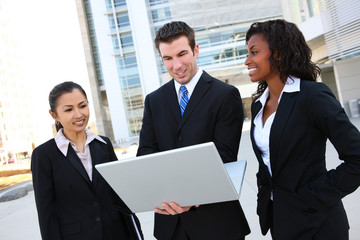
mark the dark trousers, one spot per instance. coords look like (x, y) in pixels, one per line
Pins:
(180, 233)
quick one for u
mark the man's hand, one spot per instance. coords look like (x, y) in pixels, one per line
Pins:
(172, 209)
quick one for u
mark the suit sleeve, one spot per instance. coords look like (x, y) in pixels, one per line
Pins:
(329, 116)
(147, 141)
(228, 126)
(44, 195)
(112, 154)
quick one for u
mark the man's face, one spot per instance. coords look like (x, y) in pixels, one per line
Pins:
(179, 59)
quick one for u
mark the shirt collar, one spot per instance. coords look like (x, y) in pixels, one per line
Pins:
(190, 86)
(292, 85)
(63, 143)
(264, 96)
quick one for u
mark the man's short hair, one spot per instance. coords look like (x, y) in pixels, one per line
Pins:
(172, 31)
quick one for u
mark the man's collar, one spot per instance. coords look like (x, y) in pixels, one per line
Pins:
(190, 86)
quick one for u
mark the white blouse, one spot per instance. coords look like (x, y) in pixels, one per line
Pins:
(63, 144)
(262, 132)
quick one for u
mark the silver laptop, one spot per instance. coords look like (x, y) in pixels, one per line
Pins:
(189, 176)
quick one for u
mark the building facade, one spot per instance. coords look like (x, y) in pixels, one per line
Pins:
(17, 133)
(124, 65)
(332, 30)
(121, 64)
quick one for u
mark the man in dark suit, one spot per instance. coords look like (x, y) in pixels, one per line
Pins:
(205, 110)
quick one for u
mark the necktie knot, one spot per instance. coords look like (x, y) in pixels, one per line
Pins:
(184, 90)
(184, 99)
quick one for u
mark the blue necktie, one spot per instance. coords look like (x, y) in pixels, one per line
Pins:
(184, 99)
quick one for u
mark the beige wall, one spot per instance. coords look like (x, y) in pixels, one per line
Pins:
(347, 74)
(328, 77)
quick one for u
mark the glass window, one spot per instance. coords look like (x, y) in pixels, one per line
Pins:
(133, 80)
(222, 55)
(108, 5)
(128, 71)
(112, 23)
(115, 43)
(127, 41)
(157, 28)
(161, 14)
(99, 75)
(130, 60)
(117, 4)
(123, 21)
(131, 70)
(216, 39)
(134, 105)
(157, 2)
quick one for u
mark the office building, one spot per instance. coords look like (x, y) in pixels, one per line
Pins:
(124, 66)
(16, 120)
(332, 30)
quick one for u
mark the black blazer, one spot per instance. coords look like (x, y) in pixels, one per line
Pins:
(69, 205)
(307, 197)
(214, 113)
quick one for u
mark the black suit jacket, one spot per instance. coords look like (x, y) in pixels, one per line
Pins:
(306, 196)
(69, 205)
(214, 113)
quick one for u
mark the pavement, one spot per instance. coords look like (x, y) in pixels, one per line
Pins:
(18, 217)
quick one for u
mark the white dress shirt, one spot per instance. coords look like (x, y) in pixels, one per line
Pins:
(63, 144)
(262, 132)
(190, 86)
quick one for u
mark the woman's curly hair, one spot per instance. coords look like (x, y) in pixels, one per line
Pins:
(290, 55)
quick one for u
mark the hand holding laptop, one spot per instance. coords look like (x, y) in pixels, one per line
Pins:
(147, 182)
(172, 209)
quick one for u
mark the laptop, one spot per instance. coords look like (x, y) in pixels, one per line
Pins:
(189, 176)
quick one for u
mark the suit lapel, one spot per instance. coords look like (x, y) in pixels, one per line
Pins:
(255, 109)
(95, 153)
(200, 89)
(75, 161)
(171, 99)
(283, 113)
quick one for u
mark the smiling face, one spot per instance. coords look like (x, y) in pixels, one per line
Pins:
(72, 111)
(179, 59)
(258, 60)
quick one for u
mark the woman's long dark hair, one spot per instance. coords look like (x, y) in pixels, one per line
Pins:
(57, 91)
(290, 54)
